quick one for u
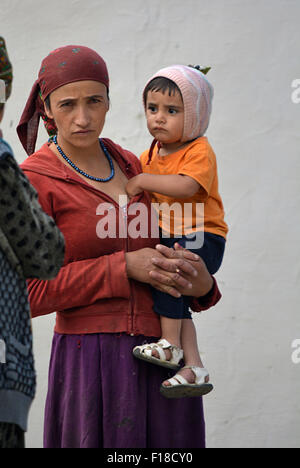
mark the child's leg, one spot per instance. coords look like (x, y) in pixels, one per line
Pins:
(170, 310)
(189, 344)
(211, 252)
(171, 331)
(191, 352)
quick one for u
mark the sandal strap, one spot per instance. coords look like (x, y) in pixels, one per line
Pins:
(177, 380)
(150, 347)
(200, 374)
(176, 353)
(160, 346)
(164, 343)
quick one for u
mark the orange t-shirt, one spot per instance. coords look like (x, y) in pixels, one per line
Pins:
(202, 212)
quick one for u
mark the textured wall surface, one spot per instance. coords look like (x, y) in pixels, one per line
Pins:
(253, 48)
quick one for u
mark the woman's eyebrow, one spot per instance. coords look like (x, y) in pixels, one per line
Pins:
(99, 96)
(68, 99)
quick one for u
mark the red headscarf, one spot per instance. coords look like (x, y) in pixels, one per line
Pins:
(62, 66)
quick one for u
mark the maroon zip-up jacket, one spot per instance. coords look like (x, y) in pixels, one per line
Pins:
(92, 292)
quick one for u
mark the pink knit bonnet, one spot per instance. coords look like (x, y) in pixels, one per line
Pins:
(197, 94)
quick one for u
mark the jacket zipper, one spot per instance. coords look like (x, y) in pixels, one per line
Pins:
(125, 219)
(105, 196)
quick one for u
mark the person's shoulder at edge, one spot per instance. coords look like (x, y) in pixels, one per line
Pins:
(5, 149)
(43, 154)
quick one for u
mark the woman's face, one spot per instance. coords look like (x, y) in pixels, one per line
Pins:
(79, 111)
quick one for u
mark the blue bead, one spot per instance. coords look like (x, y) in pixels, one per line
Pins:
(98, 179)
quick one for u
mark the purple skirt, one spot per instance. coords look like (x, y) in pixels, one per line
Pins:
(100, 396)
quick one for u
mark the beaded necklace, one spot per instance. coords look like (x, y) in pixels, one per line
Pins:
(97, 179)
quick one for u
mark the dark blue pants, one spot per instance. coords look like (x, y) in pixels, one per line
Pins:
(212, 252)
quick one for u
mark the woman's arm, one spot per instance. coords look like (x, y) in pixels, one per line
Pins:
(80, 283)
(108, 276)
(84, 282)
(175, 185)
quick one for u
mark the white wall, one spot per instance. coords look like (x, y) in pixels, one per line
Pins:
(253, 48)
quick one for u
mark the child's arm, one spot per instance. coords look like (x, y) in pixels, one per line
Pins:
(175, 186)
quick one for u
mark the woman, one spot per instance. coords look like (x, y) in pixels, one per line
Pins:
(99, 395)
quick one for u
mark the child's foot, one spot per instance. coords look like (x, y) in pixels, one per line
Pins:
(190, 381)
(188, 375)
(161, 353)
(168, 351)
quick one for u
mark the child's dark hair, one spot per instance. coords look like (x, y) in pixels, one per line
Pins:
(162, 84)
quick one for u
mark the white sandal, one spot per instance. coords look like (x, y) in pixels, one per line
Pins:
(144, 352)
(180, 387)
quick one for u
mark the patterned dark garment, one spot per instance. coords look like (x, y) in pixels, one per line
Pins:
(31, 234)
(17, 373)
(17, 365)
(11, 436)
(31, 246)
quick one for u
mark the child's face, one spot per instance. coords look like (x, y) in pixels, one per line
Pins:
(165, 116)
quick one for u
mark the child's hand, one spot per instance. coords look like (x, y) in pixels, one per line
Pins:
(133, 186)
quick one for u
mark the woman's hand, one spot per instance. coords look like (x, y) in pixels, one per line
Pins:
(184, 265)
(175, 272)
(141, 262)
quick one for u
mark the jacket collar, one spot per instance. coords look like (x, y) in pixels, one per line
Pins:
(45, 162)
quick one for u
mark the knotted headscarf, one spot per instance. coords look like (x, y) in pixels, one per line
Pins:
(6, 71)
(62, 66)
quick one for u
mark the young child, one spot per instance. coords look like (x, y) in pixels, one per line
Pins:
(181, 168)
